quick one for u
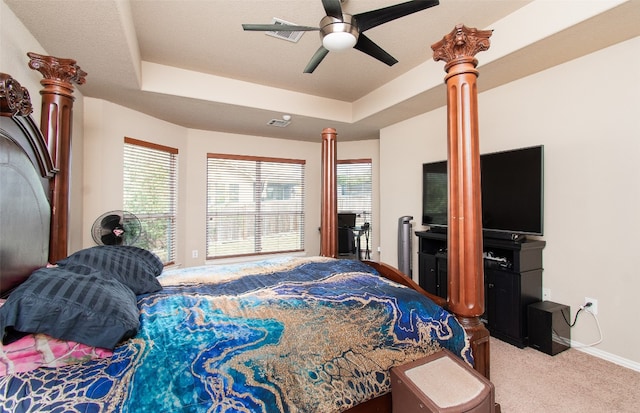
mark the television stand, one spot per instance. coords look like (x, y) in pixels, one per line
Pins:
(515, 237)
(511, 236)
(438, 230)
(512, 280)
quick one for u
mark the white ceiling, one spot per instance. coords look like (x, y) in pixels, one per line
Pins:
(124, 44)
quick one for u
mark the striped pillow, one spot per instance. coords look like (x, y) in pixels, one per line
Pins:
(134, 267)
(86, 308)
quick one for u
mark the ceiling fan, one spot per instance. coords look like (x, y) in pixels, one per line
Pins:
(341, 31)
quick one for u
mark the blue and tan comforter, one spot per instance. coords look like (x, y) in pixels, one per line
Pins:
(283, 335)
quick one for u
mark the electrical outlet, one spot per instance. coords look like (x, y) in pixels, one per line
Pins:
(546, 294)
(594, 305)
(194, 254)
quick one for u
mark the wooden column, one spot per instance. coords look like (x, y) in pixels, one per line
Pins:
(329, 211)
(465, 261)
(56, 124)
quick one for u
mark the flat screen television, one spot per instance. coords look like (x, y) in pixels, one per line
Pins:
(512, 193)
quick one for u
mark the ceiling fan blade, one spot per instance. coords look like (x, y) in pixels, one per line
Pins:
(316, 59)
(367, 46)
(277, 28)
(373, 18)
(333, 8)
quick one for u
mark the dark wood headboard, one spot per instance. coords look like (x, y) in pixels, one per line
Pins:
(26, 170)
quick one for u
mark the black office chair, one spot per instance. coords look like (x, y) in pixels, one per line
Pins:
(346, 242)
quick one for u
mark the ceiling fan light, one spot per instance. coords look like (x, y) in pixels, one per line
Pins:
(338, 34)
(338, 41)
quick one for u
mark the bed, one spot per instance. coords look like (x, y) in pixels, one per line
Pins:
(287, 334)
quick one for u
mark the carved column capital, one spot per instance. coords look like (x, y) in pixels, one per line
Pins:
(461, 45)
(54, 68)
(14, 98)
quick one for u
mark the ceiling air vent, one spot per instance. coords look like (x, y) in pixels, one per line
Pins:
(280, 123)
(285, 35)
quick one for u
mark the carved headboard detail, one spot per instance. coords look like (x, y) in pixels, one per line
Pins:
(26, 170)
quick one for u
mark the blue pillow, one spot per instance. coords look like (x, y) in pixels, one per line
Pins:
(86, 308)
(134, 267)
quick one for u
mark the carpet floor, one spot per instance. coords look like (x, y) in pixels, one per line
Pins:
(529, 381)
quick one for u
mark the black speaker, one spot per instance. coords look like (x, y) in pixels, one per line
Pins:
(549, 329)
(404, 244)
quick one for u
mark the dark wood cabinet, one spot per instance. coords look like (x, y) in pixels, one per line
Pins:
(512, 278)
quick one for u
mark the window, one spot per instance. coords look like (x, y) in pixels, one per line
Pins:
(354, 195)
(255, 205)
(150, 193)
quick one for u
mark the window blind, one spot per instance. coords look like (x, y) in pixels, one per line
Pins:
(150, 192)
(255, 205)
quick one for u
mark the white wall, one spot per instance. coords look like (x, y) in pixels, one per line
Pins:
(105, 127)
(404, 147)
(106, 124)
(585, 112)
(15, 42)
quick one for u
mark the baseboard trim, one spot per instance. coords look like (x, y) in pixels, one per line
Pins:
(621, 361)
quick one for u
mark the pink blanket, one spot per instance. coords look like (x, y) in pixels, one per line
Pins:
(40, 350)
